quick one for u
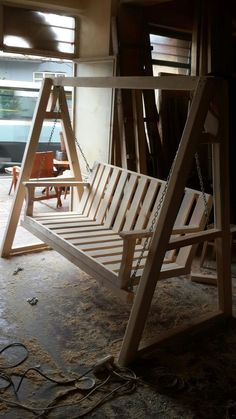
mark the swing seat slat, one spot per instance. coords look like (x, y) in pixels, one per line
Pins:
(105, 237)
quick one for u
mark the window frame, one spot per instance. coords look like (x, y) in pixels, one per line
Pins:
(46, 74)
(35, 51)
(171, 33)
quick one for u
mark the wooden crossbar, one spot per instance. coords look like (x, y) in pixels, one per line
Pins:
(160, 82)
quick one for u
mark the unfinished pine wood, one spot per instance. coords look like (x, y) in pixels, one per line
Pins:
(221, 202)
(117, 208)
(53, 98)
(140, 135)
(139, 83)
(49, 96)
(31, 248)
(27, 164)
(207, 279)
(194, 126)
(130, 348)
(86, 251)
(180, 333)
(69, 141)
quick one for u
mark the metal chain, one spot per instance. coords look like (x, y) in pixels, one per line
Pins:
(148, 239)
(199, 172)
(42, 162)
(88, 168)
(151, 228)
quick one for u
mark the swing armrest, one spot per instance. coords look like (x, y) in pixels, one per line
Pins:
(47, 182)
(186, 229)
(174, 243)
(130, 239)
(194, 238)
(56, 183)
(140, 234)
(135, 234)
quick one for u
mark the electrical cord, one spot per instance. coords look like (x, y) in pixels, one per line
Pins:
(103, 399)
(132, 376)
(8, 380)
(106, 364)
(5, 377)
(52, 406)
(52, 380)
(12, 345)
(129, 381)
(100, 401)
(44, 409)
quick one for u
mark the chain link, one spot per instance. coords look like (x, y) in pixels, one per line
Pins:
(42, 162)
(151, 228)
(156, 214)
(199, 172)
(88, 168)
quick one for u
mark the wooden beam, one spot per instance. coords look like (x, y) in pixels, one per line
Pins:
(53, 99)
(31, 248)
(221, 202)
(181, 168)
(204, 278)
(1, 26)
(195, 46)
(70, 7)
(162, 82)
(70, 141)
(52, 115)
(27, 165)
(180, 332)
(66, 182)
(193, 238)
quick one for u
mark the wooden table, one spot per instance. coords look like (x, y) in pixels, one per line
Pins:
(61, 165)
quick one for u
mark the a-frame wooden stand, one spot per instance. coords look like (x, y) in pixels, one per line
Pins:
(195, 127)
(209, 91)
(49, 96)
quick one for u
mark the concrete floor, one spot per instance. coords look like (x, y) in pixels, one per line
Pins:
(75, 323)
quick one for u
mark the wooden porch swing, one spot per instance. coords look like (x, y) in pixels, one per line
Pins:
(119, 210)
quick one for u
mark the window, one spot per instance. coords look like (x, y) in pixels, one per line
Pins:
(40, 75)
(170, 53)
(37, 33)
(34, 44)
(17, 106)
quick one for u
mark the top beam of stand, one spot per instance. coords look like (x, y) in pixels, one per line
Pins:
(139, 83)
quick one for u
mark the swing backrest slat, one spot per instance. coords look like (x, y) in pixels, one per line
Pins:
(198, 217)
(115, 201)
